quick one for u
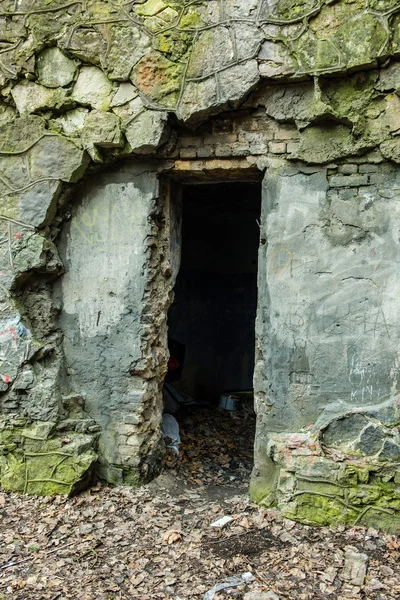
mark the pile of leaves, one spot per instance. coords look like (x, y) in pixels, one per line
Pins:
(157, 543)
(216, 446)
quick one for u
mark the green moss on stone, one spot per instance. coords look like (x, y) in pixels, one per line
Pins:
(318, 510)
(159, 78)
(293, 9)
(36, 463)
(191, 20)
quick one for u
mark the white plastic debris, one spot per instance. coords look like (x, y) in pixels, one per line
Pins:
(248, 577)
(222, 522)
(230, 582)
(170, 429)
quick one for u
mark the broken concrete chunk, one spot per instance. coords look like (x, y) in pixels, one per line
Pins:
(54, 68)
(32, 255)
(197, 100)
(213, 51)
(102, 129)
(72, 122)
(125, 93)
(355, 567)
(24, 380)
(237, 81)
(93, 88)
(20, 134)
(37, 204)
(55, 157)
(7, 113)
(30, 97)
(147, 131)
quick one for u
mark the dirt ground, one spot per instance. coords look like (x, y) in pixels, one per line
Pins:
(157, 542)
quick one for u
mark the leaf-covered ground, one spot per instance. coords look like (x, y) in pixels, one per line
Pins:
(157, 543)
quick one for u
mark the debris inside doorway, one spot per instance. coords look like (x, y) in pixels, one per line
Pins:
(216, 447)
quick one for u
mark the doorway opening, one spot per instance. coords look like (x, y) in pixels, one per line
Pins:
(211, 329)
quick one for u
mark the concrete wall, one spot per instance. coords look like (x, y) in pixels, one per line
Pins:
(106, 249)
(327, 349)
(93, 83)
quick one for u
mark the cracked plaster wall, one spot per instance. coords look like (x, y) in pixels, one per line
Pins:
(85, 83)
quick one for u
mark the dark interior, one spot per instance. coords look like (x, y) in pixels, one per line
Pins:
(214, 309)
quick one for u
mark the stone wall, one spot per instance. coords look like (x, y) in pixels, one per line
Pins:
(305, 91)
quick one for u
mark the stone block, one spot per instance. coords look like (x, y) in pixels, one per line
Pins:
(72, 122)
(205, 151)
(371, 440)
(197, 98)
(238, 81)
(211, 52)
(30, 97)
(292, 148)
(147, 131)
(222, 150)
(38, 203)
(188, 153)
(368, 168)
(348, 169)
(286, 134)
(377, 178)
(132, 419)
(103, 130)
(92, 88)
(125, 93)
(54, 68)
(344, 430)
(277, 147)
(246, 149)
(355, 567)
(348, 180)
(32, 255)
(259, 149)
(55, 157)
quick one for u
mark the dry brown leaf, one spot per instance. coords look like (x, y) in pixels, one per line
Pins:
(172, 536)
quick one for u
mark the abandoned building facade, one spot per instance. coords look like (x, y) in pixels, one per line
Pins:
(109, 112)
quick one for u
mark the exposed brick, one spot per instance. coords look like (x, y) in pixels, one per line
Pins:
(190, 141)
(292, 147)
(277, 147)
(348, 180)
(206, 151)
(241, 150)
(287, 134)
(224, 150)
(258, 149)
(188, 153)
(131, 419)
(349, 169)
(254, 137)
(368, 168)
(377, 178)
(222, 138)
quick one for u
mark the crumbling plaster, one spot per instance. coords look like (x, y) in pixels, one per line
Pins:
(295, 86)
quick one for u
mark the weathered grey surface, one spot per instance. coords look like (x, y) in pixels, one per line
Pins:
(89, 83)
(105, 250)
(327, 336)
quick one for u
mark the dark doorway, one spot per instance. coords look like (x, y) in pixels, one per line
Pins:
(212, 319)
